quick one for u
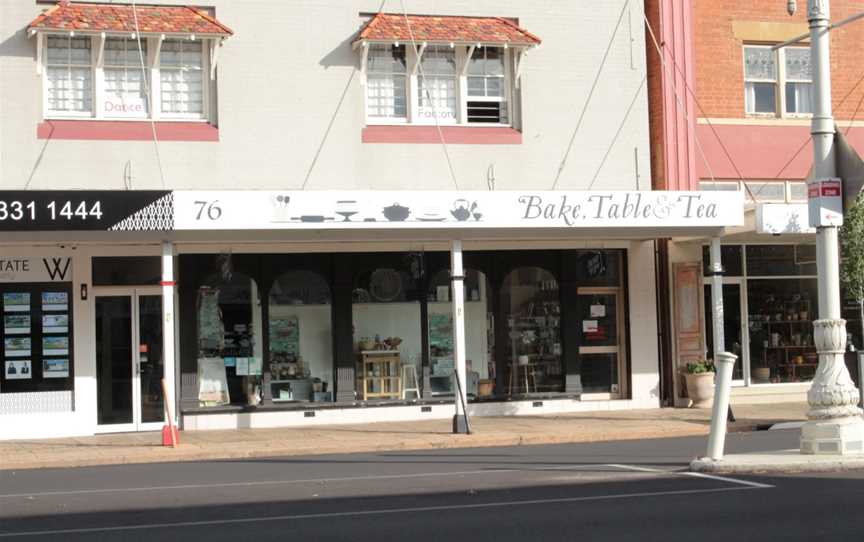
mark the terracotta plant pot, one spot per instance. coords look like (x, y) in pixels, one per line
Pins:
(762, 374)
(700, 389)
(485, 387)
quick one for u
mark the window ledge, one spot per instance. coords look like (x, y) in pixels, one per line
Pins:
(111, 130)
(454, 135)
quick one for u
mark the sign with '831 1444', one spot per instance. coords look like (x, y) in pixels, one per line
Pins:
(75, 210)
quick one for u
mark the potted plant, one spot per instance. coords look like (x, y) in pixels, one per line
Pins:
(699, 375)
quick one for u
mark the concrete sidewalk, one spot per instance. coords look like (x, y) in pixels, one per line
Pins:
(417, 435)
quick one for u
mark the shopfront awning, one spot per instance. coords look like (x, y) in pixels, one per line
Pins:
(82, 17)
(399, 28)
(368, 215)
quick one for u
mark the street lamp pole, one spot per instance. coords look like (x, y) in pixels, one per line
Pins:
(834, 425)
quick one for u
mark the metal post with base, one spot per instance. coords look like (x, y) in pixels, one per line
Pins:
(834, 425)
(460, 421)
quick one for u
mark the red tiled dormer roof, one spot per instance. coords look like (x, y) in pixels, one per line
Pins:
(395, 27)
(91, 17)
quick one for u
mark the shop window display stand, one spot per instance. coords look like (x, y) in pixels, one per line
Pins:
(381, 374)
(788, 350)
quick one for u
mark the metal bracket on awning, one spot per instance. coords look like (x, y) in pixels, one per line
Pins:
(468, 59)
(520, 60)
(364, 60)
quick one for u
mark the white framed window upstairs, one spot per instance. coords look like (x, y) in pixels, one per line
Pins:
(124, 90)
(487, 86)
(386, 83)
(110, 78)
(68, 77)
(437, 93)
(443, 84)
(777, 83)
(181, 71)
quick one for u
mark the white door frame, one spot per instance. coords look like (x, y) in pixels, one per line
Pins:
(134, 293)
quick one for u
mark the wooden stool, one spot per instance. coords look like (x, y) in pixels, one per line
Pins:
(409, 380)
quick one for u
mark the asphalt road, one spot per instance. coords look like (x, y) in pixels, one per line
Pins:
(599, 491)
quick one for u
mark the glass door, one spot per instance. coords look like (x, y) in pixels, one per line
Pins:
(734, 316)
(601, 341)
(129, 362)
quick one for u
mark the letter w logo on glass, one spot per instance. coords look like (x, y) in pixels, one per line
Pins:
(56, 269)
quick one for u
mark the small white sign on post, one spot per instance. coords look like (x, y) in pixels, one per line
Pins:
(825, 202)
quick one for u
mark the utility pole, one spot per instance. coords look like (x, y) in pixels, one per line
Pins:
(835, 425)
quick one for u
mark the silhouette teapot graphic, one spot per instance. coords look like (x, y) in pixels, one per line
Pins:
(462, 209)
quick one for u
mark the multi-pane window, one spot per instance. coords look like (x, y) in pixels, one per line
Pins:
(386, 82)
(798, 80)
(182, 78)
(68, 76)
(777, 80)
(78, 84)
(125, 92)
(436, 90)
(487, 92)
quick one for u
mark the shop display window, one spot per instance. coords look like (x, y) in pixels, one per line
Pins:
(531, 307)
(229, 341)
(300, 338)
(781, 260)
(36, 338)
(781, 314)
(600, 268)
(479, 335)
(731, 257)
(387, 330)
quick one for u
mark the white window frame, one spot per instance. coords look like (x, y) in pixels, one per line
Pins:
(506, 99)
(408, 101)
(779, 83)
(44, 73)
(462, 98)
(154, 45)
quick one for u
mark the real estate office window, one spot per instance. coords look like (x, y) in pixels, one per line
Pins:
(777, 81)
(447, 87)
(80, 84)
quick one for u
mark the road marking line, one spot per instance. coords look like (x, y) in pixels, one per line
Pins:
(286, 482)
(726, 479)
(698, 475)
(387, 511)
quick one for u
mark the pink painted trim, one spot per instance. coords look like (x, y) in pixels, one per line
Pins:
(761, 152)
(455, 135)
(118, 130)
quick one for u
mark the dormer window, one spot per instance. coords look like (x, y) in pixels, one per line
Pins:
(444, 71)
(96, 64)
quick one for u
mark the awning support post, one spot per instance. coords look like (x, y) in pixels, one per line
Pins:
(723, 361)
(169, 355)
(460, 419)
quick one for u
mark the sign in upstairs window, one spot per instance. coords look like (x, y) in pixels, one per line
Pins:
(437, 85)
(777, 83)
(68, 76)
(487, 88)
(125, 78)
(125, 90)
(386, 83)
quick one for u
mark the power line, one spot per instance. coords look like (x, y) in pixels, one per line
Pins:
(147, 92)
(620, 127)
(699, 148)
(807, 140)
(429, 95)
(590, 94)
